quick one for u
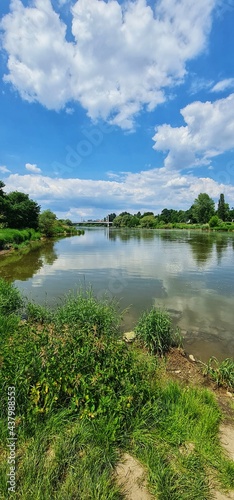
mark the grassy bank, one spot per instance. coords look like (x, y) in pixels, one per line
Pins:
(13, 238)
(83, 397)
(18, 238)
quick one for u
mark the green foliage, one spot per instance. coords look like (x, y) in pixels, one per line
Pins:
(74, 362)
(155, 330)
(10, 298)
(203, 208)
(17, 237)
(111, 217)
(38, 314)
(47, 221)
(50, 226)
(126, 220)
(223, 208)
(148, 221)
(214, 221)
(84, 310)
(20, 211)
(222, 373)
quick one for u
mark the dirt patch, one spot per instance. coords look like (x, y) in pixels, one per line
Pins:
(223, 496)
(130, 476)
(180, 367)
(227, 439)
(185, 368)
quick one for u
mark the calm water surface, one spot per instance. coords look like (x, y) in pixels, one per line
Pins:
(189, 273)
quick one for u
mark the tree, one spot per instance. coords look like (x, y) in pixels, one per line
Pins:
(203, 208)
(20, 211)
(2, 202)
(223, 208)
(68, 222)
(2, 185)
(169, 215)
(146, 214)
(111, 217)
(47, 221)
(148, 221)
(231, 214)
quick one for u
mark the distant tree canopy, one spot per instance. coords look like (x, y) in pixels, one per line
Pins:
(201, 212)
(18, 211)
(111, 217)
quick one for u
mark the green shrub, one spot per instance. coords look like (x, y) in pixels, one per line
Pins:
(10, 298)
(155, 330)
(214, 221)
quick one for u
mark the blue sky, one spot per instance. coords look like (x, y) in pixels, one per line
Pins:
(117, 105)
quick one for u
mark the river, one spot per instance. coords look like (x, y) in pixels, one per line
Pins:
(189, 273)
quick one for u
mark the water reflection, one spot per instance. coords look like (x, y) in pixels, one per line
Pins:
(21, 267)
(202, 247)
(133, 234)
(221, 246)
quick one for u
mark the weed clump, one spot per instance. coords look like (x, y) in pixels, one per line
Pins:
(10, 298)
(155, 330)
(222, 373)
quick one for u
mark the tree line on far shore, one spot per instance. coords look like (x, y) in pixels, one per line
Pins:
(201, 212)
(18, 211)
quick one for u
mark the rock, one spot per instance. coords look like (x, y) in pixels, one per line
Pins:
(229, 394)
(177, 371)
(129, 336)
(191, 357)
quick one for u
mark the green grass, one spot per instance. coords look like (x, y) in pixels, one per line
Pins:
(154, 329)
(84, 398)
(10, 298)
(9, 237)
(221, 372)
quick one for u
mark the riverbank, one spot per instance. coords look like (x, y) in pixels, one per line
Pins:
(16, 239)
(83, 398)
(12, 239)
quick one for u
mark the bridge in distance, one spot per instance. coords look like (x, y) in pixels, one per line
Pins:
(92, 222)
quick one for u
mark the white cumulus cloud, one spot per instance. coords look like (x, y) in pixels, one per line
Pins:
(123, 57)
(209, 131)
(32, 168)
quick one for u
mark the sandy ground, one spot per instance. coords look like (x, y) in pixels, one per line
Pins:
(130, 476)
